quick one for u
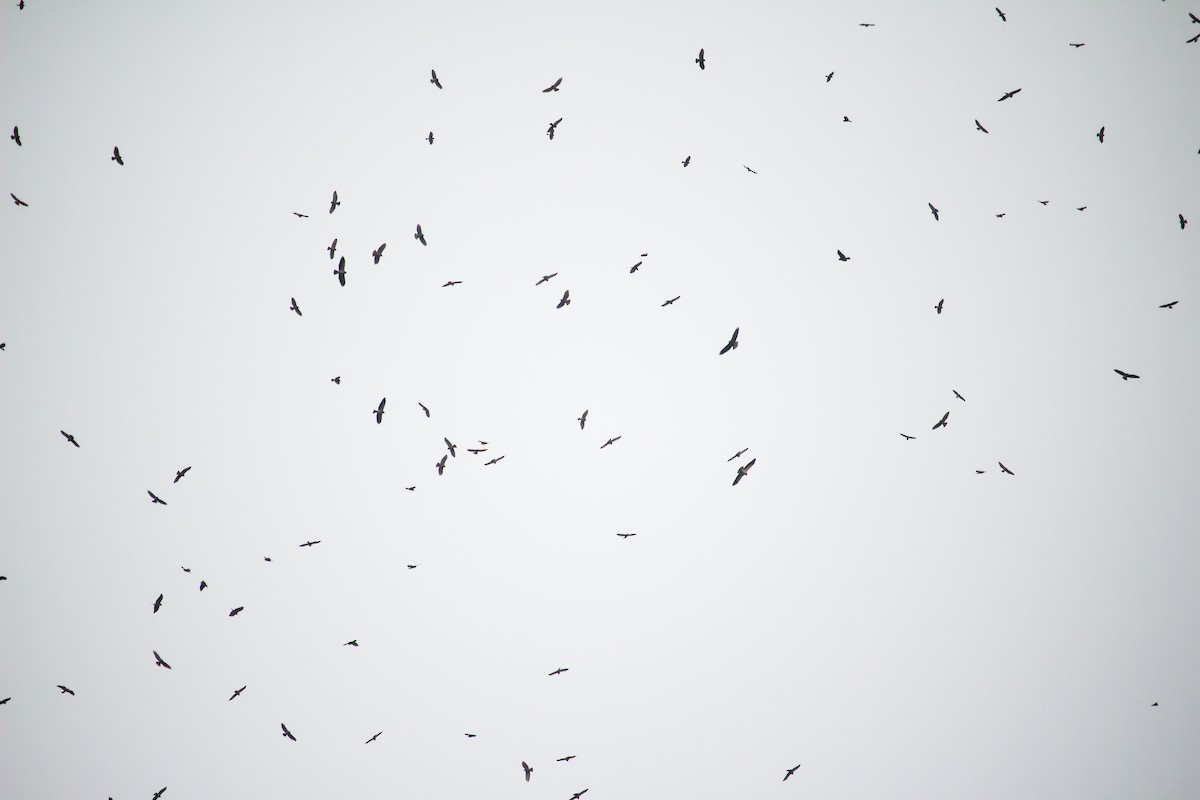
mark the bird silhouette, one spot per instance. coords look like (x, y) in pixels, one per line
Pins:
(579, 794)
(420, 236)
(495, 460)
(700, 58)
(341, 270)
(203, 585)
(1044, 202)
(941, 423)
(626, 535)
(866, 24)
(1007, 95)
(298, 214)
(116, 156)
(233, 612)
(155, 498)
(18, 200)
(1081, 208)
(351, 643)
(376, 736)
(65, 690)
(451, 447)
(423, 408)
(959, 396)
(732, 344)
(16, 136)
(286, 732)
(634, 268)
(934, 211)
(334, 203)
(671, 301)
(564, 758)
(440, 466)
(738, 454)
(1182, 222)
(450, 283)
(752, 172)
(845, 118)
(1195, 19)
(583, 419)
(790, 771)
(829, 77)
(296, 308)
(332, 249)
(1100, 134)
(980, 127)
(687, 160)
(310, 543)
(470, 735)
(1002, 17)
(1169, 305)
(1077, 44)
(1126, 375)
(566, 299)
(157, 794)
(528, 770)
(179, 473)
(842, 256)
(378, 412)
(906, 436)
(1194, 39)
(553, 87)
(158, 660)
(434, 78)
(237, 692)
(337, 380)
(157, 604)
(545, 278)
(553, 126)
(429, 138)
(610, 441)
(560, 671)
(743, 470)
(1005, 469)
(70, 438)
(378, 253)
(412, 566)
(940, 303)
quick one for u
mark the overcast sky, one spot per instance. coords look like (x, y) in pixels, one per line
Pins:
(866, 606)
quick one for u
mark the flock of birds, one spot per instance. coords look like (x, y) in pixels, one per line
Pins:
(440, 464)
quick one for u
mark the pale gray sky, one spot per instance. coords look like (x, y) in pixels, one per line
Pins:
(865, 606)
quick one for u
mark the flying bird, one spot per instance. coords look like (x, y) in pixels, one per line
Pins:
(738, 454)
(434, 78)
(528, 770)
(155, 498)
(1044, 202)
(341, 270)
(1002, 17)
(423, 408)
(829, 77)
(65, 690)
(378, 253)
(752, 172)
(379, 411)
(1007, 95)
(376, 736)
(700, 58)
(687, 160)
(564, 758)
(793, 769)
(959, 396)
(1182, 222)
(158, 660)
(1195, 19)
(732, 343)
(296, 308)
(301, 216)
(559, 671)
(310, 543)
(440, 466)
(552, 87)
(933, 210)
(337, 380)
(583, 419)
(70, 438)
(351, 643)
(203, 585)
(286, 732)
(116, 156)
(233, 612)
(845, 118)
(626, 535)
(1000, 216)
(451, 447)
(553, 125)
(470, 735)
(429, 138)
(1100, 135)
(941, 423)
(1079, 44)
(1169, 305)
(496, 460)
(979, 127)
(939, 305)
(17, 200)
(842, 256)
(743, 470)
(157, 794)
(334, 203)
(866, 24)
(179, 473)
(545, 278)
(1005, 469)
(157, 604)
(610, 441)
(1194, 39)
(332, 249)
(566, 299)
(450, 283)
(1081, 208)
(477, 450)
(671, 301)
(634, 268)
(5, 701)
(412, 566)
(1126, 375)
(237, 692)
(906, 436)
(420, 235)
(579, 794)
(16, 136)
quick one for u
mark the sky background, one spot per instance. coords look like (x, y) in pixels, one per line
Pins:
(866, 606)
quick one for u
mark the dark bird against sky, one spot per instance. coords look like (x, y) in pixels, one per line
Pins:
(732, 344)
(553, 87)
(700, 58)
(116, 156)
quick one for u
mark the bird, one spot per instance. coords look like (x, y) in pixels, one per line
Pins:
(738, 454)
(157, 794)
(310, 543)
(552, 87)
(1005, 469)
(334, 203)
(1007, 95)
(378, 253)
(429, 138)
(266, 558)
(979, 127)
(742, 470)
(410, 488)
(610, 441)
(186, 569)
(18, 200)
(179, 473)
(332, 249)
(559, 671)
(671, 301)
(440, 466)
(341, 270)
(5, 700)
(700, 58)
(1126, 375)
(157, 604)
(980, 471)
(1100, 135)
(351, 643)
(566, 299)
(528, 770)
(829, 77)
(1002, 17)
(1081, 208)
(634, 268)
(790, 771)
(155, 498)
(434, 78)
(203, 585)
(116, 156)
(450, 283)
(451, 447)
(65, 690)
(545, 278)
(376, 736)
(158, 660)
(1044, 202)
(732, 344)
(233, 612)
(583, 419)
(286, 732)
(934, 211)
(906, 436)
(296, 308)
(423, 408)
(845, 118)
(626, 535)
(564, 758)
(1169, 305)
(470, 735)
(553, 125)
(379, 411)
(337, 380)
(842, 256)
(1195, 19)
(298, 214)
(939, 305)
(866, 24)
(959, 396)
(237, 692)
(1194, 39)
(412, 566)
(16, 136)
(941, 423)
(420, 235)
(1182, 222)
(477, 450)
(579, 794)
(1000, 216)
(70, 438)
(1077, 44)
(687, 160)
(752, 172)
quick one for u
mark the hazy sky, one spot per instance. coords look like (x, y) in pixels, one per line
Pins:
(866, 606)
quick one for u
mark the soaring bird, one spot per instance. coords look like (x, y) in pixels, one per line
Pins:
(610, 441)
(583, 419)
(687, 160)
(70, 438)
(933, 210)
(552, 87)
(1169, 305)
(559, 671)
(378, 252)
(332, 249)
(1182, 222)
(65, 690)
(1081, 208)
(378, 412)
(1005, 469)
(1007, 95)
(495, 460)
(237, 692)
(564, 758)
(1002, 17)
(434, 78)
(671, 301)
(440, 466)
(959, 396)
(337, 380)
(412, 566)
(179, 473)
(286, 732)
(476, 450)
(155, 498)
(116, 156)
(700, 58)
(906, 436)
(528, 770)
(203, 585)
(1195, 19)
(157, 604)
(451, 447)
(1100, 135)
(793, 769)
(829, 77)
(233, 612)
(545, 278)
(310, 543)
(334, 203)
(738, 454)
(423, 408)
(429, 138)
(866, 24)
(5, 700)
(1044, 202)
(341, 270)
(1194, 39)
(450, 283)
(1077, 44)
(634, 268)
(157, 794)
(301, 216)
(939, 305)
(17, 200)
(846, 119)
(158, 660)
(731, 344)
(842, 256)
(420, 235)
(16, 136)
(579, 794)
(752, 172)
(470, 735)
(941, 423)
(1126, 375)
(553, 125)
(566, 299)
(979, 127)
(351, 643)
(626, 535)
(296, 308)
(743, 470)
(376, 736)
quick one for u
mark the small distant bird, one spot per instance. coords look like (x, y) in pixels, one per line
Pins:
(552, 87)
(1079, 44)
(793, 769)
(332, 249)
(545, 278)
(583, 419)
(296, 308)
(979, 127)
(203, 585)
(341, 270)
(1126, 375)
(160, 792)
(158, 660)
(1007, 95)
(1182, 222)
(334, 203)
(179, 473)
(233, 612)
(829, 77)
(959, 396)
(237, 692)
(378, 412)
(743, 470)
(980, 471)
(477, 450)
(266, 558)
(116, 156)
(842, 256)
(450, 283)
(687, 160)
(579, 794)
(1081, 208)
(559, 671)
(941, 423)
(1194, 39)
(553, 126)
(752, 172)
(528, 770)
(700, 58)
(186, 569)
(845, 118)
(564, 758)
(16, 136)
(732, 344)
(451, 447)
(420, 235)
(566, 299)
(626, 535)
(378, 253)
(376, 736)
(351, 643)
(17, 200)
(671, 301)
(434, 78)
(65, 690)
(1005, 469)
(412, 566)
(5, 700)
(337, 380)
(1100, 135)
(1195, 19)
(610, 441)
(738, 454)
(423, 408)
(1002, 17)
(906, 436)
(939, 305)
(634, 268)
(410, 488)
(286, 732)
(310, 543)
(933, 210)
(1169, 305)
(155, 498)
(1044, 202)
(301, 216)
(470, 735)
(440, 466)
(157, 604)
(70, 438)
(1000, 216)
(866, 24)
(429, 138)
